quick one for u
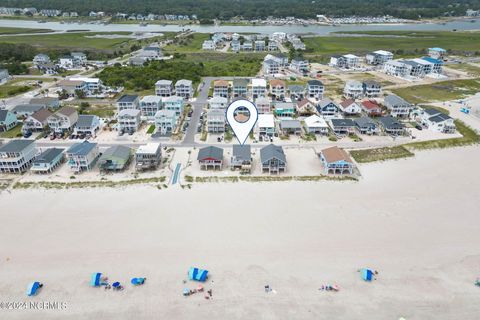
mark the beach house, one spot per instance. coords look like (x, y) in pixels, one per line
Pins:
(259, 88)
(25, 110)
(220, 88)
(263, 105)
(49, 102)
(218, 102)
(299, 65)
(63, 120)
(342, 127)
(240, 87)
(278, 89)
(174, 103)
(366, 125)
(210, 158)
(87, 125)
(266, 125)
(149, 106)
(350, 108)
(353, 89)
(216, 121)
(297, 92)
(164, 88)
(437, 121)
(148, 156)
(129, 121)
(371, 108)
(315, 89)
(128, 102)
(336, 161)
(395, 68)
(305, 107)
(48, 160)
(290, 126)
(115, 158)
(73, 87)
(165, 122)
(82, 156)
(273, 159)
(391, 126)
(284, 109)
(316, 125)
(8, 120)
(327, 108)
(371, 88)
(397, 106)
(41, 58)
(35, 122)
(378, 58)
(241, 158)
(270, 66)
(16, 156)
(184, 89)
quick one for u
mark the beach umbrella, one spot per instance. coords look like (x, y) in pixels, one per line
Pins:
(33, 288)
(366, 274)
(95, 280)
(137, 281)
(116, 284)
(197, 274)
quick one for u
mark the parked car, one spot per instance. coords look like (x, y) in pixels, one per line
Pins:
(27, 134)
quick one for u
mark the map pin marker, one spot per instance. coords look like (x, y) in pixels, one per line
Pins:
(242, 116)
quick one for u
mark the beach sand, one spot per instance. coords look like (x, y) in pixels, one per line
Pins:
(416, 221)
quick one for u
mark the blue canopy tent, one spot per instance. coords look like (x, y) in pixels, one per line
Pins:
(197, 274)
(367, 274)
(33, 288)
(96, 279)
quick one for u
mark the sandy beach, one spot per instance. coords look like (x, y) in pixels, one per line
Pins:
(416, 221)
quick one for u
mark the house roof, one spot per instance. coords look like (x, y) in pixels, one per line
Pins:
(315, 83)
(259, 82)
(394, 100)
(303, 102)
(296, 88)
(81, 149)
(432, 60)
(439, 118)
(31, 108)
(335, 154)
(342, 122)
(347, 102)
(370, 105)
(365, 122)
(3, 115)
(242, 82)
(290, 124)
(68, 83)
(183, 82)
(149, 148)
(389, 122)
(48, 155)
(220, 83)
(42, 115)
(431, 111)
(383, 52)
(315, 121)
(218, 99)
(165, 113)
(277, 83)
(16, 145)
(67, 111)
(266, 120)
(151, 98)
(118, 153)
(325, 102)
(127, 98)
(242, 152)
(210, 152)
(85, 120)
(272, 152)
(371, 83)
(44, 100)
(353, 83)
(163, 82)
(128, 112)
(262, 101)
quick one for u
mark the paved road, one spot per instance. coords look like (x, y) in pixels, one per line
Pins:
(200, 102)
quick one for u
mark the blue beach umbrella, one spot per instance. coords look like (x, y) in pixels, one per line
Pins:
(197, 274)
(137, 281)
(33, 288)
(95, 280)
(116, 284)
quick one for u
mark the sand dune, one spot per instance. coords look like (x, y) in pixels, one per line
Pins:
(416, 221)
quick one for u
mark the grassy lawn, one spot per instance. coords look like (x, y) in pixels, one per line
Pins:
(12, 133)
(100, 112)
(379, 154)
(151, 129)
(72, 41)
(10, 90)
(472, 70)
(8, 30)
(440, 91)
(402, 43)
(190, 43)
